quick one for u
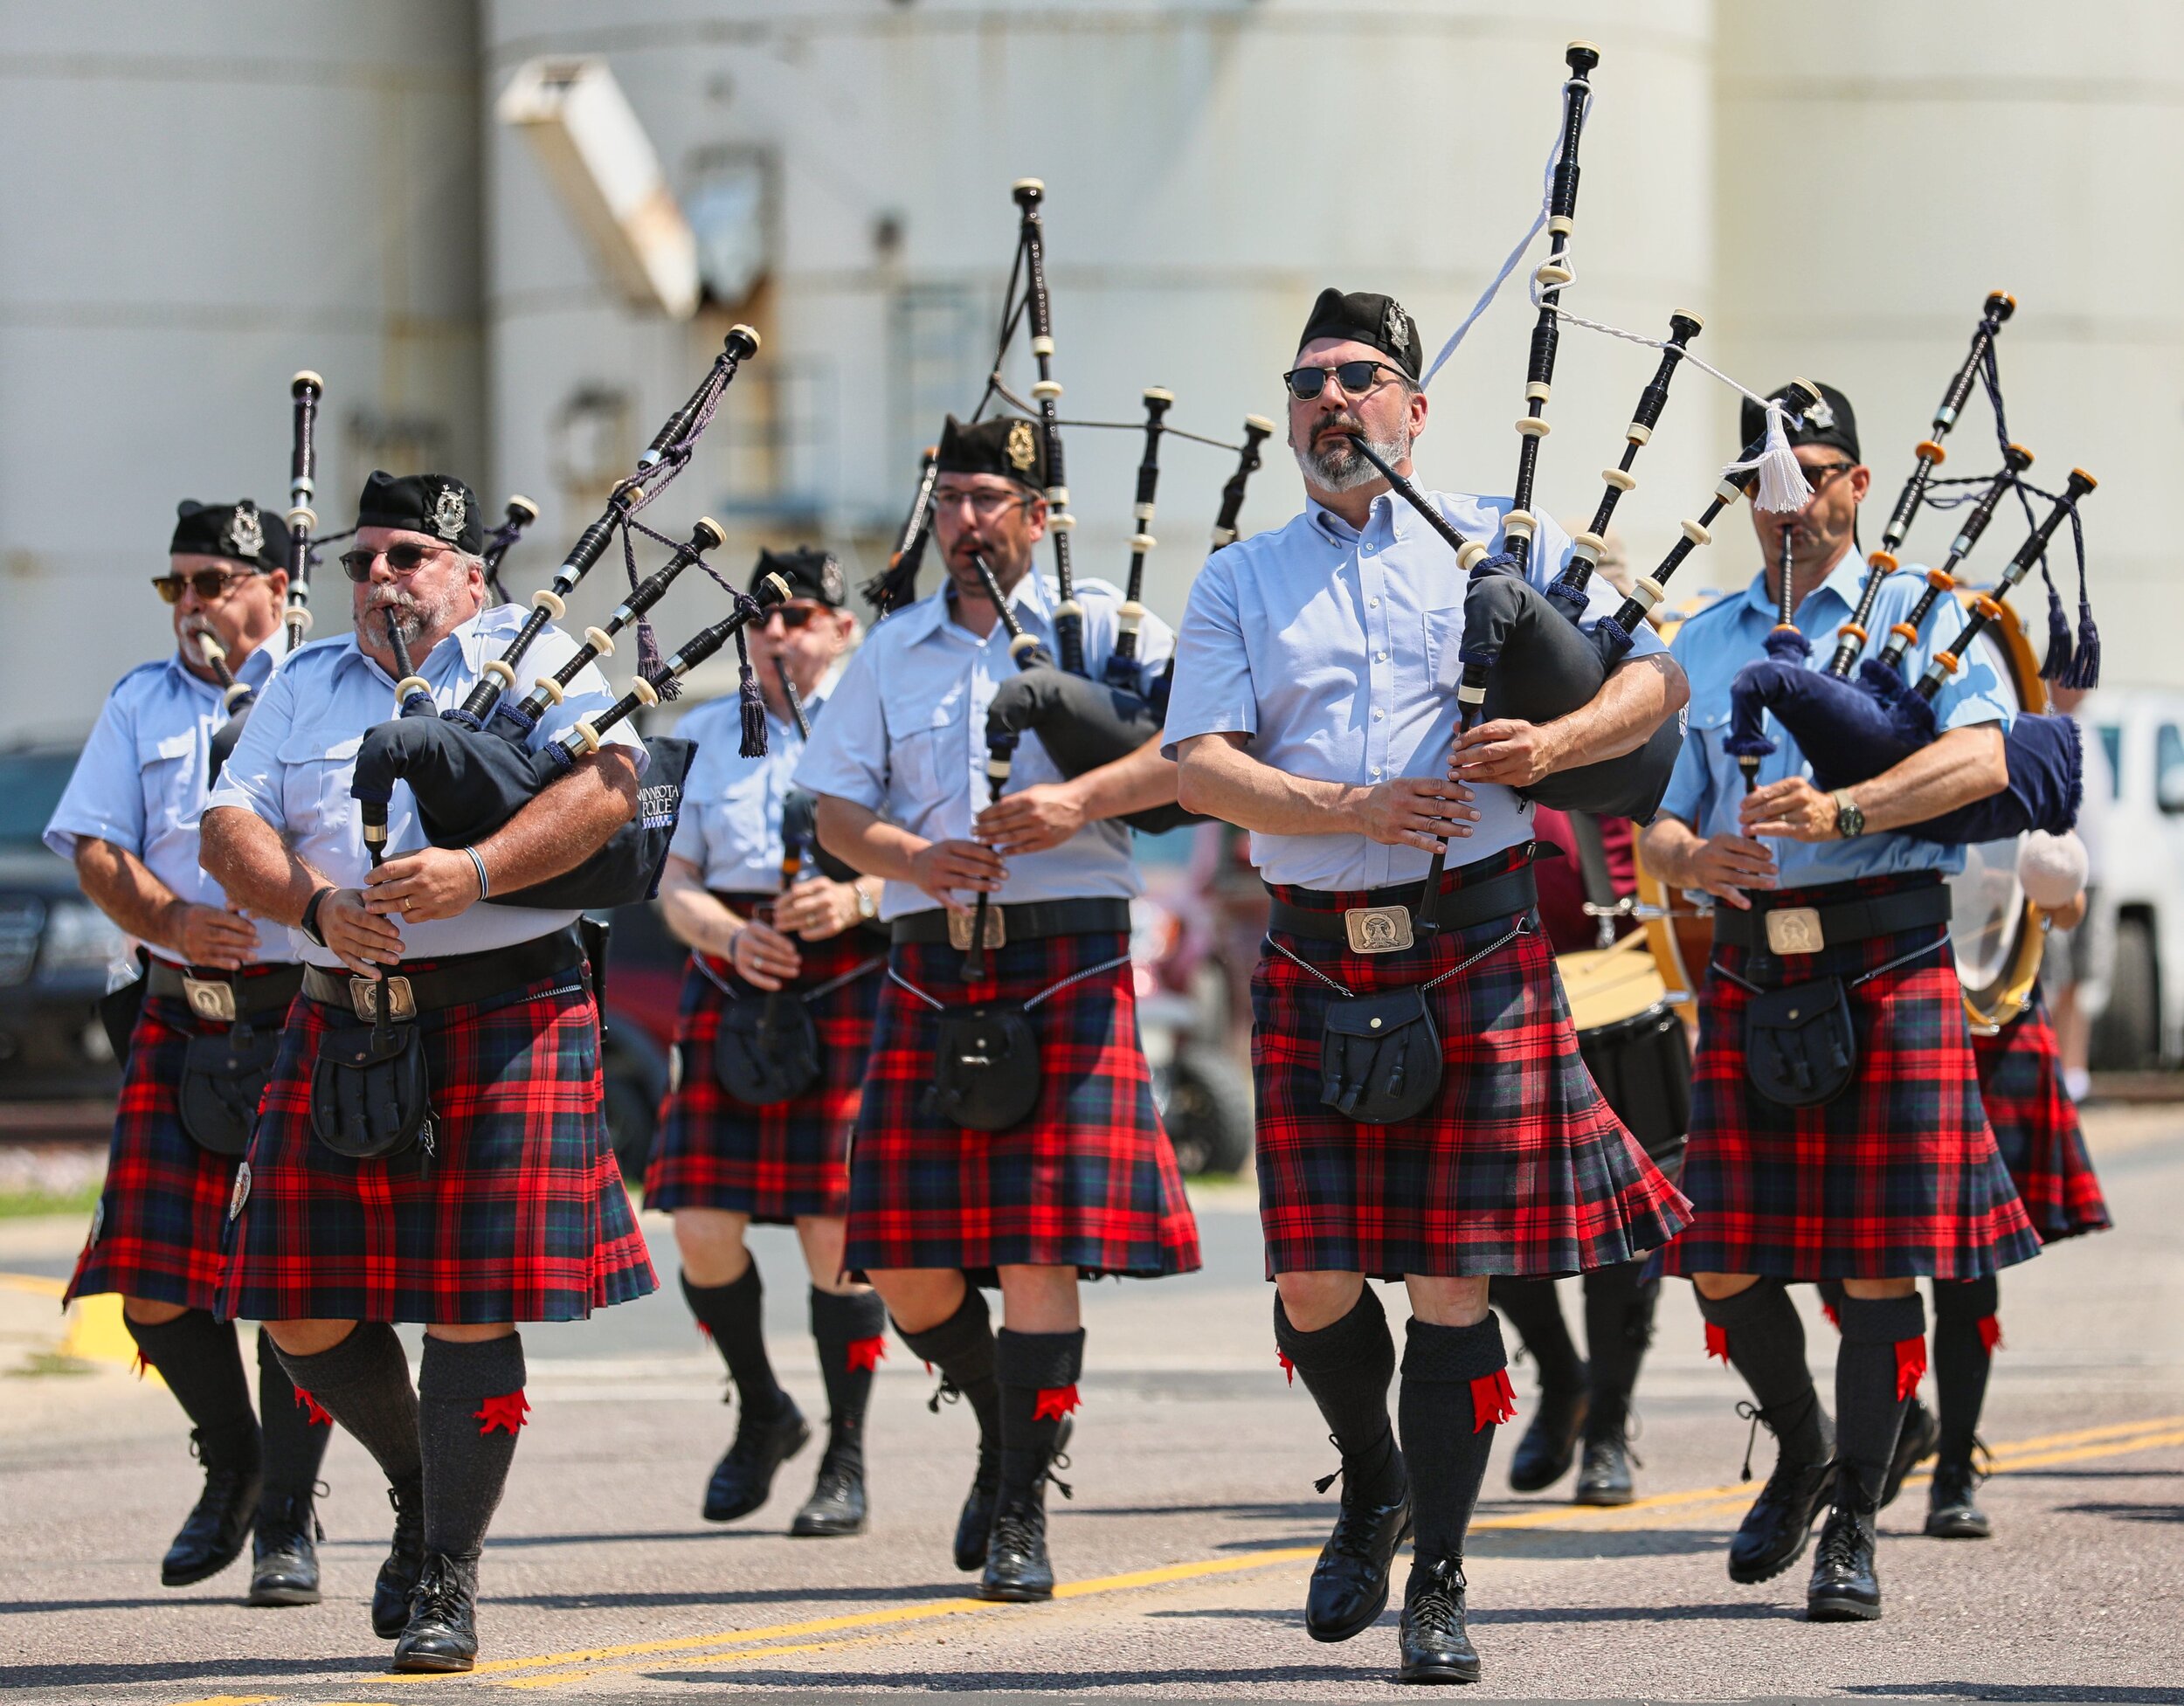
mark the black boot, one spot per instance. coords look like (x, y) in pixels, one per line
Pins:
(1844, 1588)
(212, 1537)
(850, 1330)
(1916, 1440)
(743, 1478)
(1604, 1477)
(405, 1561)
(1435, 1645)
(962, 1349)
(284, 1550)
(1619, 1308)
(1038, 1374)
(283, 1554)
(1951, 1512)
(1549, 1445)
(1775, 1530)
(442, 1633)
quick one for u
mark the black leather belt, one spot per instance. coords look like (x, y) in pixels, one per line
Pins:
(1026, 921)
(1383, 925)
(1782, 929)
(224, 999)
(456, 981)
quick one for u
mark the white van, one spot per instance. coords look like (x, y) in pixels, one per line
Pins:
(2141, 871)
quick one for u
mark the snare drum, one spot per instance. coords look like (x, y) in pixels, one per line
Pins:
(1633, 1043)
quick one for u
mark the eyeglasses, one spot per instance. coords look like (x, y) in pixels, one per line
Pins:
(985, 505)
(403, 559)
(1819, 478)
(210, 585)
(1356, 378)
(792, 617)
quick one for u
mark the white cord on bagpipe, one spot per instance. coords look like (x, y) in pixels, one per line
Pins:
(1782, 482)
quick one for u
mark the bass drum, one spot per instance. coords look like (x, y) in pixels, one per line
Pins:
(1633, 1043)
(1997, 933)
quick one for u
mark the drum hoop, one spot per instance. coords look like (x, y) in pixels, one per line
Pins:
(1989, 1009)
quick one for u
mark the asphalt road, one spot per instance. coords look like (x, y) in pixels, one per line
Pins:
(1185, 1549)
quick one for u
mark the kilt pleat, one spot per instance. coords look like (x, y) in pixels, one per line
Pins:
(790, 1158)
(1087, 1181)
(2036, 1127)
(1519, 1167)
(1898, 1176)
(519, 1215)
(157, 1231)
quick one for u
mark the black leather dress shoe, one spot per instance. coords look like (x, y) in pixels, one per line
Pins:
(284, 1556)
(405, 1562)
(442, 1633)
(743, 1478)
(837, 1504)
(1436, 1647)
(212, 1537)
(1844, 1588)
(1545, 1453)
(1775, 1530)
(1016, 1563)
(974, 1526)
(1918, 1438)
(1604, 1478)
(1350, 1583)
(1950, 1513)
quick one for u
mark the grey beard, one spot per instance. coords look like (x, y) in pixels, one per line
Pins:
(1340, 468)
(411, 617)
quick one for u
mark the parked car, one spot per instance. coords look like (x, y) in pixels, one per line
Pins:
(2141, 733)
(56, 948)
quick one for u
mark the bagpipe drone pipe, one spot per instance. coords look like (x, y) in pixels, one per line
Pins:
(1852, 729)
(472, 768)
(800, 848)
(1522, 654)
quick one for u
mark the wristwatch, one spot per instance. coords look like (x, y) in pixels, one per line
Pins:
(1849, 820)
(867, 908)
(310, 924)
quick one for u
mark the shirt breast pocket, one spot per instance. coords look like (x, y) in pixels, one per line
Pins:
(315, 780)
(917, 758)
(1444, 644)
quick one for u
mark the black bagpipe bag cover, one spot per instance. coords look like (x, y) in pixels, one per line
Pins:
(1083, 724)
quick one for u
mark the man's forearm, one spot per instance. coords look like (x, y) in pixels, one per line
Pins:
(694, 916)
(121, 886)
(245, 855)
(565, 824)
(1136, 783)
(1638, 695)
(1220, 780)
(1964, 765)
(861, 837)
(1667, 845)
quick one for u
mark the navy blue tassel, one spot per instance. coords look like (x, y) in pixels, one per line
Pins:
(2061, 652)
(648, 661)
(754, 705)
(2084, 672)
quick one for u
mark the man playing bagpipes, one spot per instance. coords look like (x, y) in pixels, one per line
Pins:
(1423, 1111)
(430, 1147)
(776, 1020)
(1837, 1131)
(1008, 1127)
(194, 1055)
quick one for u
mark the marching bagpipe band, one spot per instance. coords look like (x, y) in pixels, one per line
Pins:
(1853, 730)
(1522, 654)
(471, 769)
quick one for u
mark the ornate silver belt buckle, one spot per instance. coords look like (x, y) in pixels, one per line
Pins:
(211, 999)
(1795, 930)
(960, 924)
(1377, 929)
(364, 997)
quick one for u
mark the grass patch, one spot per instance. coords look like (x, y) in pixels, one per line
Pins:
(16, 1205)
(42, 1363)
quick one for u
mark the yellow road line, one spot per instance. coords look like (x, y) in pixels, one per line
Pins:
(95, 1332)
(39, 1286)
(2107, 1441)
(562, 1678)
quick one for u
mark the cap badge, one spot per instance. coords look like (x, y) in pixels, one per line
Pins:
(1395, 326)
(449, 513)
(1820, 415)
(831, 584)
(1022, 450)
(245, 534)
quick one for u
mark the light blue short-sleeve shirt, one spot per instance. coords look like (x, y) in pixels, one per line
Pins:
(1335, 649)
(141, 781)
(1707, 787)
(730, 827)
(904, 735)
(298, 755)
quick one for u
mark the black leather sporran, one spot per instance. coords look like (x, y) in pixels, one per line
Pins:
(223, 1078)
(370, 1093)
(985, 1067)
(767, 1051)
(1800, 1048)
(1379, 1057)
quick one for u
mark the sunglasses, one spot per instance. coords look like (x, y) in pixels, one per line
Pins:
(403, 559)
(210, 585)
(792, 617)
(1356, 378)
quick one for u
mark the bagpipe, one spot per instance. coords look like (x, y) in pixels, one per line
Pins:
(1082, 723)
(473, 767)
(800, 848)
(1851, 729)
(236, 697)
(1522, 654)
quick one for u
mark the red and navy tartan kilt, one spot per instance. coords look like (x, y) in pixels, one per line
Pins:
(1898, 1176)
(157, 1232)
(1086, 1180)
(2036, 1127)
(789, 1158)
(518, 1215)
(1519, 1167)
